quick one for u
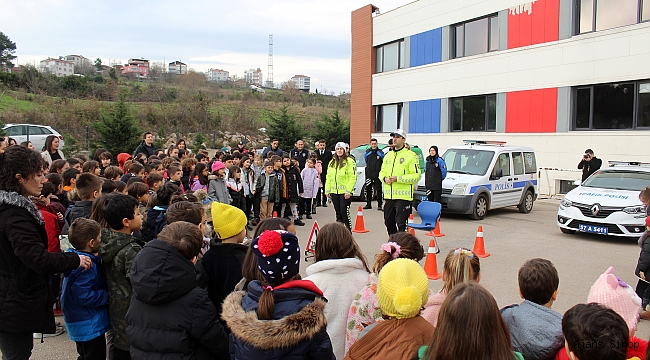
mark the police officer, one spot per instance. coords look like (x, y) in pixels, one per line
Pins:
(400, 173)
(374, 158)
(300, 153)
(435, 170)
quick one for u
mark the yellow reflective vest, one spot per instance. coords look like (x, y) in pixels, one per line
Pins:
(341, 180)
(404, 164)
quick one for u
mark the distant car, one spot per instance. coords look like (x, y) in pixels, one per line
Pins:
(607, 202)
(30, 132)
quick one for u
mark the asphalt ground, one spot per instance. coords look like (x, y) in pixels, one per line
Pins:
(510, 237)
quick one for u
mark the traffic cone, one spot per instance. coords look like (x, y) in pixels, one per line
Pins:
(431, 263)
(275, 214)
(479, 244)
(410, 229)
(359, 226)
(436, 232)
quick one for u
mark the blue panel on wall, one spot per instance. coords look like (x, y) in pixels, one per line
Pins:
(424, 116)
(426, 47)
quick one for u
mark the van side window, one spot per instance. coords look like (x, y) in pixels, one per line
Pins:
(529, 163)
(518, 163)
(503, 163)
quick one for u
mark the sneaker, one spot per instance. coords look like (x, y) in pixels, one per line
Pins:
(308, 217)
(380, 209)
(59, 330)
(255, 222)
(298, 222)
(324, 205)
(367, 207)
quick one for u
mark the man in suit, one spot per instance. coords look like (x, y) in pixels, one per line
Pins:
(324, 156)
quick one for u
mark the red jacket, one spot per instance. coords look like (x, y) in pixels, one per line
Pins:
(52, 227)
(638, 349)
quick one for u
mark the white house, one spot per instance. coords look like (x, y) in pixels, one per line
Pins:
(303, 83)
(56, 67)
(177, 67)
(253, 76)
(217, 75)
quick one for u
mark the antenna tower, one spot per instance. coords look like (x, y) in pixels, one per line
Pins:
(269, 74)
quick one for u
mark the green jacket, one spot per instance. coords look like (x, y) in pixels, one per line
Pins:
(406, 166)
(117, 251)
(341, 180)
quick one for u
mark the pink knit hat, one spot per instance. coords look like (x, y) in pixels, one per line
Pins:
(218, 165)
(615, 294)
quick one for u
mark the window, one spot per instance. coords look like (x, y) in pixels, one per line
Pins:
(474, 113)
(503, 163)
(612, 106)
(518, 163)
(388, 118)
(530, 165)
(390, 56)
(15, 130)
(476, 37)
(595, 15)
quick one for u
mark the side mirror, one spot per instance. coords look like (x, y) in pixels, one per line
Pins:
(498, 174)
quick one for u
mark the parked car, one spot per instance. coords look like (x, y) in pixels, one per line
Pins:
(31, 132)
(607, 202)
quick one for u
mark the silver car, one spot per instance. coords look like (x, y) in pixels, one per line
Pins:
(31, 132)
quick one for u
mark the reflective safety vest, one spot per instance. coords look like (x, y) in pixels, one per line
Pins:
(404, 164)
(341, 180)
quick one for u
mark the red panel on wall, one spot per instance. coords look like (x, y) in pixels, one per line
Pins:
(533, 23)
(531, 111)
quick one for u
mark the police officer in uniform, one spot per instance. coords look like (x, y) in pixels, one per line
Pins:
(374, 158)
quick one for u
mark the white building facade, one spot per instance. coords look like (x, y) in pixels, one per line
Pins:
(303, 83)
(177, 67)
(79, 61)
(56, 67)
(217, 75)
(253, 77)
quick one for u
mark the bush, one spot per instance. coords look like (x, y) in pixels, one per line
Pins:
(117, 129)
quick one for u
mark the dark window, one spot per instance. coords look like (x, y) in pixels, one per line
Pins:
(388, 117)
(15, 130)
(503, 163)
(474, 113)
(612, 106)
(595, 15)
(476, 36)
(390, 56)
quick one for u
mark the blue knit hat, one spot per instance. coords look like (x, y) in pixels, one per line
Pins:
(278, 255)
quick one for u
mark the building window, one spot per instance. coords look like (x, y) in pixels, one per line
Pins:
(390, 56)
(475, 37)
(388, 118)
(612, 106)
(474, 113)
(596, 15)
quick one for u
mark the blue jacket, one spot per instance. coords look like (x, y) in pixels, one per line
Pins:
(156, 221)
(85, 301)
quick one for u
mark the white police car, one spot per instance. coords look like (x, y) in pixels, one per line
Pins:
(607, 202)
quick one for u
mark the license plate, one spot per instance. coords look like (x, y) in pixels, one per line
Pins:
(593, 229)
(424, 198)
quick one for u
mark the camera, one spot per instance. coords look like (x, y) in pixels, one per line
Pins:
(585, 156)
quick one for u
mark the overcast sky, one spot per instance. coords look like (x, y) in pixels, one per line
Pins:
(310, 37)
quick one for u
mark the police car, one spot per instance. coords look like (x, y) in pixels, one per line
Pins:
(607, 202)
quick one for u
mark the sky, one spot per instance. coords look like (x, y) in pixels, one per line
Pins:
(310, 37)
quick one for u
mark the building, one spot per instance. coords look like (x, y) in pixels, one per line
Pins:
(303, 83)
(136, 67)
(56, 67)
(177, 67)
(253, 76)
(78, 60)
(558, 75)
(217, 75)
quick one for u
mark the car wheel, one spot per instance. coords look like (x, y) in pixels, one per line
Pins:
(526, 203)
(480, 208)
(567, 231)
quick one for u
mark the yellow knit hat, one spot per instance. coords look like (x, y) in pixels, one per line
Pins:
(227, 220)
(403, 288)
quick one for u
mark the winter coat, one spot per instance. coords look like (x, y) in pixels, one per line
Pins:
(195, 185)
(48, 157)
(217, 191)
(117, 251)
(403, 164)
(432, 307)
(637, 349)
(80, 209)
(236, 192)
(156, 221)
(248, 178)
(301, 155)
(589, 167)
(25, 265)
(435, 170)
(268, 149)
(535, 331)
(170, 317)
(294, 183)
(297, 330)
(374, 159)
(274, 187)
(52, 227)
(84, 301)
(341, 180)
(395, 339)
(340, 280)
(310, 183)
(364, 311)
(643, 264)
(185, 180)
(147, 150)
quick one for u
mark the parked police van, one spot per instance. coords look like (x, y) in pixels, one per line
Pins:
(484, 175)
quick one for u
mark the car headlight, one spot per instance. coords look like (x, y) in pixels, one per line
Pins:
(640, 209)
(459, 189)
(566, 203)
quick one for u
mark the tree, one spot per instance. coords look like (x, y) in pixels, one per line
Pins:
(117, 129)
(285, 128)
(332, 128)
(98, 64)
(7, 50)
(199, 142)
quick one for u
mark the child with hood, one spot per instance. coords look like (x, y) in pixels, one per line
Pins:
(217, 189)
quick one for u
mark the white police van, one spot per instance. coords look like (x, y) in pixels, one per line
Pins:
(607, 202)
(484, 175)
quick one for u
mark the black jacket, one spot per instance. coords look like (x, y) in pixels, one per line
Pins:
(170, 317)
(374, 159)
(433, 174)
(25, 264)
(294, 183)
(147, 150)
(325, 158)
(301, 155)
(589, 167)
(643, 264)
(80, 209)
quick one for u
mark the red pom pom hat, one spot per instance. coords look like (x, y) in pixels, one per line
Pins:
(278, 255)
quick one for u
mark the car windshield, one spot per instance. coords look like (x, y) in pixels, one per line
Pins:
(358, 155)
(468, 161)
(618, 180)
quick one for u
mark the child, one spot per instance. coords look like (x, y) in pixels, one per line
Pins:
(105, 159)
(57, 199)
(469, 303)
(310, 187)
(594, 324)
(248, 179)
(85, 294)
(169, 314)
(69, 183)
(217, 189)
(187, 165)
(294, 189)
(92, 167)
(282, 181)
(199, 177)
(535, 329)
(337, 256)
(88, 188)
(279, 317)
(175, 173)
(108, 186)
(154, 180)
(140, 191)
(120, 187)
(136, 169)
(402, 289)
(227, 162)
(461, 265)
(122, 158)
(113, 173)
(117, 250)
(365, 309)
(236, 188)
(156, 220)
(643, 264)
(268, 189)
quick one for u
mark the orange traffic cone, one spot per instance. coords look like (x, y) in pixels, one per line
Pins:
(436, 232)
(431, 263)
(275, 214)
(410, 229)
(479, 244)
(359, 226)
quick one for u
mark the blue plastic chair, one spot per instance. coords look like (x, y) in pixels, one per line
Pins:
(429, 213)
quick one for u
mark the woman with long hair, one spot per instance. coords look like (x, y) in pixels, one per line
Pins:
(51, 150)
(199, 177)
(339, 183)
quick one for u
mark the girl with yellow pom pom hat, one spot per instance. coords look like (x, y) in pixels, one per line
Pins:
(402, 290)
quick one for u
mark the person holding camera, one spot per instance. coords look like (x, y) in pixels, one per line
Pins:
(589, 164)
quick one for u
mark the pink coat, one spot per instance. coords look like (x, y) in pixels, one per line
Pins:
(432, 307)
(310, 183)
(196, 185)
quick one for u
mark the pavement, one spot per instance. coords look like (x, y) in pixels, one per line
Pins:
(510, 237)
